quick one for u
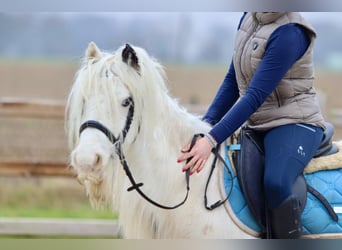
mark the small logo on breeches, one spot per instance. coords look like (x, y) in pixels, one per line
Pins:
(300, 151)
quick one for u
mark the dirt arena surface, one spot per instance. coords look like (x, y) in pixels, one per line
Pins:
(43, 140)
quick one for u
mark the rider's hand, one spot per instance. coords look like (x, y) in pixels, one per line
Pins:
(200, 153)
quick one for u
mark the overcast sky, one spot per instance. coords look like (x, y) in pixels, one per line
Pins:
(171, 5)
(192, 32)
(231, 16)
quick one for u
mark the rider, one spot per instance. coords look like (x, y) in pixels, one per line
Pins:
(269, 85)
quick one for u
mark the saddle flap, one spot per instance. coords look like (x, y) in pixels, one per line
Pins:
(249, 164)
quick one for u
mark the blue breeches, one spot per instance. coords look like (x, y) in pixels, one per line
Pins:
(288, 149)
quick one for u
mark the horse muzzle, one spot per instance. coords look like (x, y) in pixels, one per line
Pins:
(88, 166)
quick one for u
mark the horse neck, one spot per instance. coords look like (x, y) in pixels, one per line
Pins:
(172, 125)
(165, 129)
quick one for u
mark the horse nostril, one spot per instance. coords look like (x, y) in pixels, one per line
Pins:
(97, 159)
(86, 161)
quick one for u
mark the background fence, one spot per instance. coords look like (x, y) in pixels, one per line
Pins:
(24, 110)
(39, 109)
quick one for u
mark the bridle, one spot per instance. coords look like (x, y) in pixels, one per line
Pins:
(111, 137)
(117, 141)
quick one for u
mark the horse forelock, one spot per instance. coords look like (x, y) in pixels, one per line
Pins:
(91, 81)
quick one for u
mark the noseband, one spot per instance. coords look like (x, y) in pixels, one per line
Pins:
(117, 143)
(111, 137)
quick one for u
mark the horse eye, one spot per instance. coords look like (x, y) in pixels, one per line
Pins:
(126, 102)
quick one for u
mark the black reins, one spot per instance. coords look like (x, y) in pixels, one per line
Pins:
(217, 156)
(136, 186)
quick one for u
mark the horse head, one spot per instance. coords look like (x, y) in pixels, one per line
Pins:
(103, 93)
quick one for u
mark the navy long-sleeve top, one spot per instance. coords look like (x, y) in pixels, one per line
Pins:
(284, 47)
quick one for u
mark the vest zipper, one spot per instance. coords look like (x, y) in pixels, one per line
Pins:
(277, 97)
(258, 26)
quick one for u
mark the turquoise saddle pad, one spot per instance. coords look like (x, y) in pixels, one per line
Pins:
(315, 218)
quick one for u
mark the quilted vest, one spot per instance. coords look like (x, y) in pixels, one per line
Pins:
(294, 99)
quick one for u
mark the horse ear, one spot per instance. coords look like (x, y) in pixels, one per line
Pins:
(130, 57)
(93, 52)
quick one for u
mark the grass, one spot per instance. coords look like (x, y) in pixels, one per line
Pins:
(46, 198)
(47, 212)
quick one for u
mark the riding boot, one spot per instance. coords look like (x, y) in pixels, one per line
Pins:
(286, 219)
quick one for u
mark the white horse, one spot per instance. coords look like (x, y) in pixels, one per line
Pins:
(126, 93)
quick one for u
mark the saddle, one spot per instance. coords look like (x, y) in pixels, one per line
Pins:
(327, 147)
(249, 167)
